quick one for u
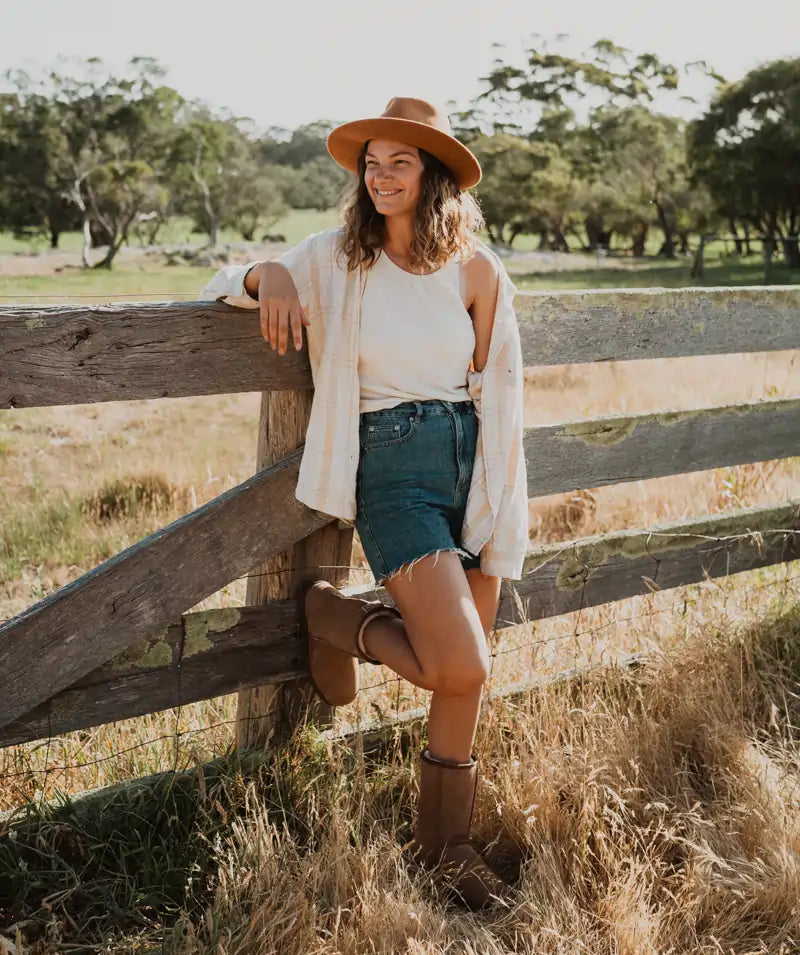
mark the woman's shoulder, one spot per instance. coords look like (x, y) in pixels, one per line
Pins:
(482, 267)
(324, 241)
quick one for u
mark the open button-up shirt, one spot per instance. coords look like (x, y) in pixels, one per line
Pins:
(496, 518)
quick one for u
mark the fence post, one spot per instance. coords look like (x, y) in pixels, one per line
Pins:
(271, 711)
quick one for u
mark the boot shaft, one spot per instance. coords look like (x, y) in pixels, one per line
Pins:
(446, 803)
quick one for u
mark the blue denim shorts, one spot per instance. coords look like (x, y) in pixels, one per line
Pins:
(414, 472)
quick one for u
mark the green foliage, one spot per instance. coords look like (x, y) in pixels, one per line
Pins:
(120, 155)
(746, 151)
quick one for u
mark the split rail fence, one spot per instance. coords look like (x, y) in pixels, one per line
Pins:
(118, 642)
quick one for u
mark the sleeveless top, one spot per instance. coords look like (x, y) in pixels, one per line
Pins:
(416, 339)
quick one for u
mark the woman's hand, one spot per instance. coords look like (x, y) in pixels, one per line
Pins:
(279, 306)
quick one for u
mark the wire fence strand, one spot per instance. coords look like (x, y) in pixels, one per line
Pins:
(178, 736)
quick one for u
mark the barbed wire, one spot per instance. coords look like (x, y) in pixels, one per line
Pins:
(179, 734)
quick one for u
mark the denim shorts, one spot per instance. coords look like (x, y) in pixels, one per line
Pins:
(414, 472)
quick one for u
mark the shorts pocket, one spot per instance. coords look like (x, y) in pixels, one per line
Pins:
(385, 431)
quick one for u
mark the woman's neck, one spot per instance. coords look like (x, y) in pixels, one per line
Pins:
(399, 235)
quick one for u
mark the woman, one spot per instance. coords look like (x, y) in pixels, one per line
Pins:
(422, 447)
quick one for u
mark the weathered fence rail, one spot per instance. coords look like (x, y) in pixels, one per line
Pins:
(59, 355)
(113, 643)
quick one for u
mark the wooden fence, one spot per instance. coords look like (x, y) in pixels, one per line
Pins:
(118, 642)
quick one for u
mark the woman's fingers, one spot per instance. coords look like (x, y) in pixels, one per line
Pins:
(279, 319)
(263, 318)
(296, 318)
(273, 324)
(283, 327)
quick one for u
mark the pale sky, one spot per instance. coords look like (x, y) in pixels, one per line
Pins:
(296, 61)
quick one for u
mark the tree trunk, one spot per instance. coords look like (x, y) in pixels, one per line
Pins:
(791, 251)
(769, 251)
(698, 264)
(270, 713)
(667, 249)
(560, 243)
(86, 244)
(639, 240)
(515, 231)
(113, 248)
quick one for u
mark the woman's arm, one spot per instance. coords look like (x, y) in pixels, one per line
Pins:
(483, 283)
(272, 285)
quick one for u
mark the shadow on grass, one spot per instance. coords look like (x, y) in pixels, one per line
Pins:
(141, 855)
(643, 274)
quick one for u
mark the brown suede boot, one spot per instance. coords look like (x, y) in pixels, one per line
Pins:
(334, 625)
(441, 835)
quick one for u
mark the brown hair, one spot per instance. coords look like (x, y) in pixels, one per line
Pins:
(444, 221)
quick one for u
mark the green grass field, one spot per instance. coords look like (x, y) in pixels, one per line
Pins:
(151, 281)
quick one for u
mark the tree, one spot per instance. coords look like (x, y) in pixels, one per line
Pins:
(32, 199)
(508, 164)
(746, 151)
(549, 81)
(103, 147)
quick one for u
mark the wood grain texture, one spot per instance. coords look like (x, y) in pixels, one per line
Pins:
(59, 355)
(221, 651)
(559, 328)
(203, 655)
(147, 586)
(562, 578)
(271, 710)
(593, 453)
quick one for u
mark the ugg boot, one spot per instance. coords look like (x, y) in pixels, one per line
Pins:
(334, 625)
(441, 835)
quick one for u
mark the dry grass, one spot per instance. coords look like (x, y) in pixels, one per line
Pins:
(655, 817)
(636, 813)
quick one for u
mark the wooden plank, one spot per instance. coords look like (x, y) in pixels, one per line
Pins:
(57, 355)
(562, 578)
(596, 452)
(54, 643)
(62, 355)
(222, 651)
(558, 328)
(204, 655)
(270, 710)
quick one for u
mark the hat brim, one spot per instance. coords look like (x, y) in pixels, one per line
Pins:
(344, 144)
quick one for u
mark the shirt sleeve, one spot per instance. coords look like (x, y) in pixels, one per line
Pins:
(228, 283)
(227, 286)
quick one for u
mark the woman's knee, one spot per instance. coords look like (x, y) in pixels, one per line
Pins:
(460, 674)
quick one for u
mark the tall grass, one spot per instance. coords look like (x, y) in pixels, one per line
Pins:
(647, 812)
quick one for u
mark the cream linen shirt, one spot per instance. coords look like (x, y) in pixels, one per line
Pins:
(496, 518)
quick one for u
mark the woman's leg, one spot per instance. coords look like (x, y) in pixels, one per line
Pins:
(440, 644)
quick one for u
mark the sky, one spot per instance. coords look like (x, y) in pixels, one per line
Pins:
(296, 61)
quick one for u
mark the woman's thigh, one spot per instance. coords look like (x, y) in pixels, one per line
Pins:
(486, 594)
(442, 620)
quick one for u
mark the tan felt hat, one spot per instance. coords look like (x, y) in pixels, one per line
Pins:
(412, 121)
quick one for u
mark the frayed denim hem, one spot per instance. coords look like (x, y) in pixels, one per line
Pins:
(408, 566)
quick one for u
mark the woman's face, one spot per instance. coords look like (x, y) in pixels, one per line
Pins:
(394, 168)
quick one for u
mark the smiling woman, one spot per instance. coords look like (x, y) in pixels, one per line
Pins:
(422, 448)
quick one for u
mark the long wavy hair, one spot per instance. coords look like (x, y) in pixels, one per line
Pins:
(445, 219)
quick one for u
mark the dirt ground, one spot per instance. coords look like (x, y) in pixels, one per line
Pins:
(53, 261)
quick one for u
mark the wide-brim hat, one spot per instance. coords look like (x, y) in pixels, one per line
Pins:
(412, 121)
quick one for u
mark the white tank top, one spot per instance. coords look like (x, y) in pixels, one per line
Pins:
(416, 339)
